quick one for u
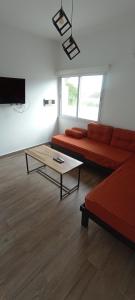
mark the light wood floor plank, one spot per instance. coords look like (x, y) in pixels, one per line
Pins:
(44, 252)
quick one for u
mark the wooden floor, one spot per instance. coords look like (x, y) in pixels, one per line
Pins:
(44, 252)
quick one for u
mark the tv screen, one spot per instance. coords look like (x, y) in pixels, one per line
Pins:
(12, 90)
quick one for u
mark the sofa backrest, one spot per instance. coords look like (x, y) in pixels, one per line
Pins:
(100, 132)
(124, 139)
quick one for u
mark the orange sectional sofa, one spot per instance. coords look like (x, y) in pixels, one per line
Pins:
(100, 144)
(112, 202)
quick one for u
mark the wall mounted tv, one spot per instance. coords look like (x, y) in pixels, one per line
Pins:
(12, 90)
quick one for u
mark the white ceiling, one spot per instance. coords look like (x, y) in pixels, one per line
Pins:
(35, 15)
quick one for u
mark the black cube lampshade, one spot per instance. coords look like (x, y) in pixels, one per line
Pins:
(61, 22)
(71, 48)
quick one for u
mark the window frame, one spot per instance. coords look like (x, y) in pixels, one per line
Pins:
(79, 76)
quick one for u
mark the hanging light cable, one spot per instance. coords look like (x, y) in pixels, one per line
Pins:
(70, 47)
(61, 21)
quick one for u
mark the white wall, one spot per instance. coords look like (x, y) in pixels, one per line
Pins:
(33, 58)
(36, 59)
(115, 46)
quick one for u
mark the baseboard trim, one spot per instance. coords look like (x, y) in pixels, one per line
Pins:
(20, 151)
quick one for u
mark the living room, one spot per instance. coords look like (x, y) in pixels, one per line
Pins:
(45, 253)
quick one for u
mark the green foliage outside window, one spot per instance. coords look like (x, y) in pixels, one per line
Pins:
(72, 94)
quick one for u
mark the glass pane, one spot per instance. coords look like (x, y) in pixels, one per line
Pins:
(89, 97)
(69, 96)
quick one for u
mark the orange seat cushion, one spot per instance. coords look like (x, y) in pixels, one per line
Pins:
(100, 133)
(105, 155)
(124, 139)
(99, 153)
(113, 200)
(74, 133)
(83, 130)
(75, 145)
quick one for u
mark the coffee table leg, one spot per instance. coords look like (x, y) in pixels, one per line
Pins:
(27, 166)
(61, 182)
(79, 170)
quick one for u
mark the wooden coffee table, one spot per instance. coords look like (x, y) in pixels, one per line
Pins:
(45, 155)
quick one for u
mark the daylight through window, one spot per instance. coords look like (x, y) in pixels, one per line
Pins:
(81, 96)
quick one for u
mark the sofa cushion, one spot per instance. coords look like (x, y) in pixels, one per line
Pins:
(113, 200)
(100, 153)
(100, 133)
(70, 143)
(105, 155)
(124, 139)
(84, 131)
(74, 133)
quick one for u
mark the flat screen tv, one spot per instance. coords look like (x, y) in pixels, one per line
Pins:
(12, 90)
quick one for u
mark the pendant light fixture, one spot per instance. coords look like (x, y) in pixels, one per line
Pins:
(61, 21)
(70, 47)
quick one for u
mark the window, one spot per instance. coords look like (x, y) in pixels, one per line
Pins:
(81, 96)
(69, 96)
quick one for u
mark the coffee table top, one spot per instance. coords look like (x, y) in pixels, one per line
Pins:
(45, 154)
